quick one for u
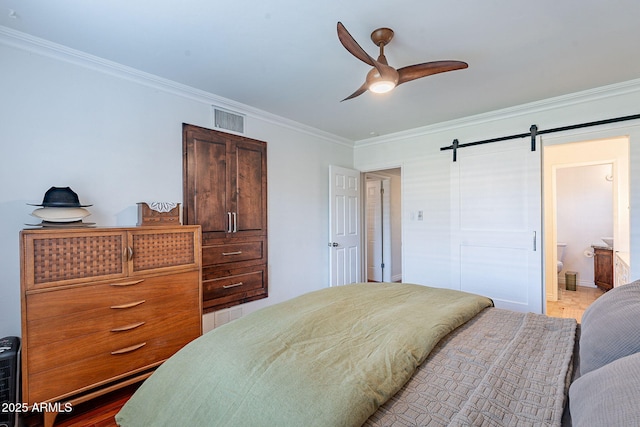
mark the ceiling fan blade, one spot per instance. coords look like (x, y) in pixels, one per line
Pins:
(417, 71)
(362, 89)
(353, 47)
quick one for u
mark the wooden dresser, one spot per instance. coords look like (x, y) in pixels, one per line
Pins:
(102, 307)
(225, 192)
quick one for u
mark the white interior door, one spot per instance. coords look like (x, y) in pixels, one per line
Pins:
(344, 225)
(496, 208)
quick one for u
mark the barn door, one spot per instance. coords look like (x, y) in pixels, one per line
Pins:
(496, 224)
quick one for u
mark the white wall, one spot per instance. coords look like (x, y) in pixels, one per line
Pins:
(114, 136)
(584, 214)
(426, 169)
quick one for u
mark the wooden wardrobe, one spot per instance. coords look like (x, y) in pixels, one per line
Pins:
(225, 192)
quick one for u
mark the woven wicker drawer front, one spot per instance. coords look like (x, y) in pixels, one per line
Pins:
(77, 257)
(160, 250)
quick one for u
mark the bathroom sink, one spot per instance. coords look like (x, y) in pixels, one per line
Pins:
(608, 241)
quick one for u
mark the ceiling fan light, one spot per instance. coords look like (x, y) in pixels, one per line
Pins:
(382, 86)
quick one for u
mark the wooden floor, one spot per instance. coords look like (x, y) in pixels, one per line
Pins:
(99, 412)
(572, 304)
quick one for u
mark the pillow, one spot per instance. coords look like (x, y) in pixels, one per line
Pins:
(607, 396)
(610, 327)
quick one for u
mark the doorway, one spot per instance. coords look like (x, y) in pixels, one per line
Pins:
(383, 226)
(586, 198)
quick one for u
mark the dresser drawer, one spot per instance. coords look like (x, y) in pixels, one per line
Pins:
(232, 252)
(50, 330)
(93, 359)
(239, 283)
(62, 302)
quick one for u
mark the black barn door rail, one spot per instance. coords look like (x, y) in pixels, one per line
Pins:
(533, 132)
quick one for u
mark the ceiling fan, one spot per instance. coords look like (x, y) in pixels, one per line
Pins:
(382, 77)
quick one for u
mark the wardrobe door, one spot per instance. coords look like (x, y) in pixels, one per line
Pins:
(205, 175)
(249, 181)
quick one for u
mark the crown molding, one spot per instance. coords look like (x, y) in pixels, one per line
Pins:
(44, 47)
(49, 49)
(563, 101)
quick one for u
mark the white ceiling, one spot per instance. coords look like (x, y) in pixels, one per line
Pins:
(284, 57)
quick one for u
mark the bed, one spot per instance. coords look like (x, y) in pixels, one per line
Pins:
(377, 355)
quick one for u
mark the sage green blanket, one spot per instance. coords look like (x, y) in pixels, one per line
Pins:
(327, 358)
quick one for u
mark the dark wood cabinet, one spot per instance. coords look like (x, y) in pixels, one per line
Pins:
(225, 192)
(603, 268)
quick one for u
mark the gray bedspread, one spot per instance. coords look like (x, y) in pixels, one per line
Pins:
(500, 369)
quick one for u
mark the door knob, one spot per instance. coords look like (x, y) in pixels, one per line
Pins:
(333, 244)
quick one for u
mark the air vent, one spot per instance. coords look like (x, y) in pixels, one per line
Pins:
(228, 120)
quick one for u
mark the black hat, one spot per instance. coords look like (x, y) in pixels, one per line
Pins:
(61, 197)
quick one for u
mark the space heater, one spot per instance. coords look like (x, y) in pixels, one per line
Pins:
(9, 380)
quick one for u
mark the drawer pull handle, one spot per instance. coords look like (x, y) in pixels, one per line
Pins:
(129, 349)
(135, 282)
(231, 253)
(129, 305)
(232, 286)
(128, 327)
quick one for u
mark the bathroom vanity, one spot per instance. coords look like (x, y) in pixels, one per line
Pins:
(603, 267)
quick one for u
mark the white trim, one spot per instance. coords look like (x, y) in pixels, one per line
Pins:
(49, 49)
(506, 113)
(43, 47)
